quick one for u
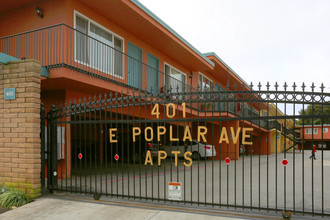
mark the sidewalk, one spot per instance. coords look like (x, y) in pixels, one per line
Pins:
(55, 208)
(69, 207)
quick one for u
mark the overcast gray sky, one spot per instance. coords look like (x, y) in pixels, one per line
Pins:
(262, 40)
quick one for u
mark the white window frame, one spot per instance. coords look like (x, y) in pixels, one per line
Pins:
(310, 131)
(202, 80)
(201, 87)
(77, 13)
(176, 70)
(325, 130)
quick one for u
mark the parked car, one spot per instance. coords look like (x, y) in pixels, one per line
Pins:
(197, 149)
(153, 147)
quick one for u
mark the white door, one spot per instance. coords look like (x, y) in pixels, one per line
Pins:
(101, 49)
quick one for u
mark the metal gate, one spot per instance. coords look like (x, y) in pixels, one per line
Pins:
(246, 148)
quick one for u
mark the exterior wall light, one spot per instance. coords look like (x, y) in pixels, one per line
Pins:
(39, 13)
(191, 76)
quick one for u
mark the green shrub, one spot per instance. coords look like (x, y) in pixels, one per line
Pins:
(12, 198)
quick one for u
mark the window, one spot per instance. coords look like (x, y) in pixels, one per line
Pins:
(174, 79)
(219, 105)
(325, 130)
(97, 47)
(204, 83)
(81, 46)
(309, 131)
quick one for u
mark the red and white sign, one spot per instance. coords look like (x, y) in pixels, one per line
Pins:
(80, 156)
(285, 162)
(116, 157)
(227, 160)
(174, 191)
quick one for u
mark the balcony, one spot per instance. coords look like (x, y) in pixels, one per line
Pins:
(63, 46)
(274, 124)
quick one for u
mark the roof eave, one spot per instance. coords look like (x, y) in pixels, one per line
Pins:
(226, 65)
(168, 28)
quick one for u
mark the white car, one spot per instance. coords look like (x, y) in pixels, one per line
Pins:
(197, 149)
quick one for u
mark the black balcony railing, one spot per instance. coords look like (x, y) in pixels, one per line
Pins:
(60, 46)
(274, 124)
(63, 46)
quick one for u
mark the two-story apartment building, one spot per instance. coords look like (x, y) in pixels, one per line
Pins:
(317, 135)
(97, 47)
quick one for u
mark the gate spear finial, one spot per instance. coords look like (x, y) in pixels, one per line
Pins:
(285, 86)
(303, 86)
(267, 85)
(294, 86)
(313, 86)
(322, 87)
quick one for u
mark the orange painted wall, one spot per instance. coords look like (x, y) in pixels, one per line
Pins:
(223, 150)
(318, 136)
(49, 98)
(128, 37)
(260, 144)
(62, 11)
(26, 19)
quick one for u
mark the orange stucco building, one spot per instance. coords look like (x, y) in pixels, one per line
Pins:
(98, 47)
(317, 135)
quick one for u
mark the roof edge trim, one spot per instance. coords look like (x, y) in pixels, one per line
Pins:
(224, 63)
(312, 125)
(151, 14)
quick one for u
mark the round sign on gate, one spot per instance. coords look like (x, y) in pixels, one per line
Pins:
(80, 156)
(285, 162)
(116, 157)
(227, 160)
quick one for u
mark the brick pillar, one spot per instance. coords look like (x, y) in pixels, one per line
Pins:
(20, 144)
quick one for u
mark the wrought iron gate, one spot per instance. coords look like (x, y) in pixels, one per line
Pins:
(243, 148)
